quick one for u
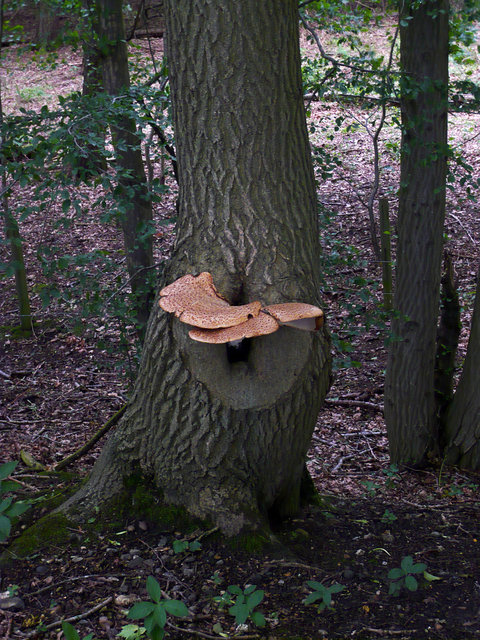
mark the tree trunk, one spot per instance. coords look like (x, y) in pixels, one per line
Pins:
(410, 409)
(227, 439)
(137, 210)
(463, 419)
(12, 232)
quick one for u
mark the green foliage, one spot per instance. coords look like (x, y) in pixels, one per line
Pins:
(179, 546)
(131, 632)
(391, 475)
(322, 593)
(342, 268)
(404, 576)
(31, 93)
(154, 613)
(242, 604)
(371, 487)
(388, 517)
(8, 508)
(70, 633)
(61, 157)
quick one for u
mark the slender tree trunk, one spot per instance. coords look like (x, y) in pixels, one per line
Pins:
(462, 430)
(227, 439)
(137, 214)
(92, 58)
(410, 409)
(12, 231)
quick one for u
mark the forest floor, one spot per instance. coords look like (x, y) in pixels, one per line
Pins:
(58, 387)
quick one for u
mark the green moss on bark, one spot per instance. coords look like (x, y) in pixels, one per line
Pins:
(140, 500)
(53, 529)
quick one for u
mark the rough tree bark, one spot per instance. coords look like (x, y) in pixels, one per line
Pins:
(410, 408)
(137, 209)
(227, 439)
(462, 431)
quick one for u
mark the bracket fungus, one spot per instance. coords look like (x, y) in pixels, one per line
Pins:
(195, 301)
(296, 314)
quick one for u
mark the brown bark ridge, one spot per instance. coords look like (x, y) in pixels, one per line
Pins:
(463, 418)
(226, 436)
(410, 410)
(136, 217)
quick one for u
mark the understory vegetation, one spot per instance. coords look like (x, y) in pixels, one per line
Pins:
(387, 549)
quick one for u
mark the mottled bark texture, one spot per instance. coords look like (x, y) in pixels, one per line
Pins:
(136, 214)
(410, 409)
(463, 418)
(227, 439)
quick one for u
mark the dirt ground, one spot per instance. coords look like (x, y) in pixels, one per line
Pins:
(58, 388)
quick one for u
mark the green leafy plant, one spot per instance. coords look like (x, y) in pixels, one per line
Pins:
(71, 633)
(404, 576)
(154, 614)
(388, 516)
(323, 593)
(179, 546)
(371, 487)
(8, 508)
(242, 604)
(391, 475)
(131, 632)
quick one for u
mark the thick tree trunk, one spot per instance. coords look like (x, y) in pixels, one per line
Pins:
(137, 210)
(227, 439)
(463, 419)
(410, 409)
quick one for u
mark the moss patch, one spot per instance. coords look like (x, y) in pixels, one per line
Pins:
(141, 501)
(51, 530)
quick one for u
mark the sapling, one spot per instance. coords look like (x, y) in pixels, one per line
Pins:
(242, 604)
(404, 575)
(154, 613)
(8, 508)
(323, 593)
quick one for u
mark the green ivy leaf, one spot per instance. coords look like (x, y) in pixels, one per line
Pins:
(17, 509)
(5, 527)
(159, 615)
(7, 468)
(153, 589)
(258, 619)
(176, 608)
(69, 631)
(313, 597)
(336, 588)
(407, 564)
(240, 611)
(141, 610)
(395, 574)
(4, 504)
(411, 583)
(254, 599)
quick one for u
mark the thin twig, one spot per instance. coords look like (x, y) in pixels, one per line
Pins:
(297, 565)
(390, 632)
(356, 403)
(463, 227)
(71, 579)
(80, 616)
(202, 634)
(93, 440)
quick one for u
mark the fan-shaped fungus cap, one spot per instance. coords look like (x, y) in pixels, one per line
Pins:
(196, 301)
(296, 314)
(261, 325)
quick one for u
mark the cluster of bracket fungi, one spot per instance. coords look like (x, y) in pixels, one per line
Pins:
(195, 301)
